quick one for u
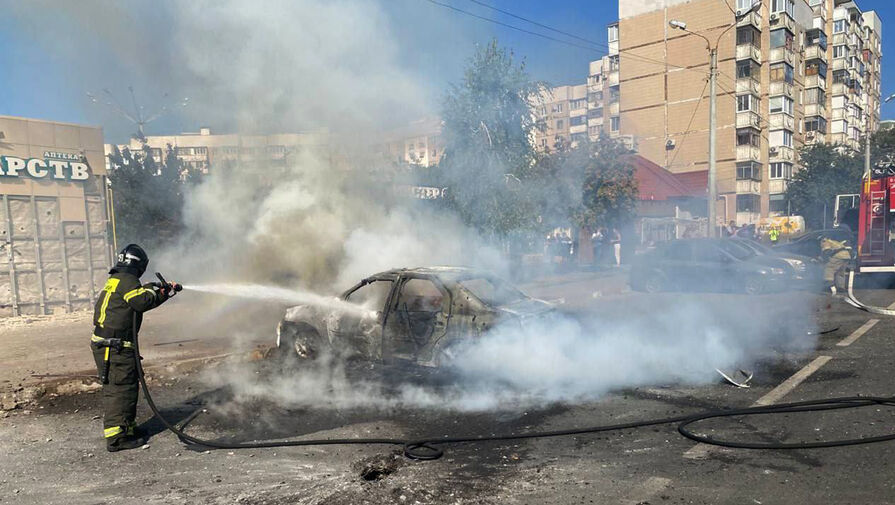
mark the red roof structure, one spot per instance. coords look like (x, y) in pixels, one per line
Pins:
(656, 183)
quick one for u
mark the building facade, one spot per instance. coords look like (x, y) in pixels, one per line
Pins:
(55, 220)
(791, 72)
(203, 149)
(562, 113)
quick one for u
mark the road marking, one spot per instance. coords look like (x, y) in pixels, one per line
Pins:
(855, 335)
(701, 450)
(892, 306)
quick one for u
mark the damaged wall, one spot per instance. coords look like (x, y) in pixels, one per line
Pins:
(54, 238)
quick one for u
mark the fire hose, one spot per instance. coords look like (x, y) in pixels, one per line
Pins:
(854, 302)
(430, 448)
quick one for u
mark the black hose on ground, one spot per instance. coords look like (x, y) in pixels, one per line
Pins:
(428, 449)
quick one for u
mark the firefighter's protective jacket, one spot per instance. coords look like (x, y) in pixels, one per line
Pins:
(122, 298)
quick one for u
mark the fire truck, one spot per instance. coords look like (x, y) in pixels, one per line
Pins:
(876, 221)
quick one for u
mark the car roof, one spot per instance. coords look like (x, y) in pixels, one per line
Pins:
(442, 271)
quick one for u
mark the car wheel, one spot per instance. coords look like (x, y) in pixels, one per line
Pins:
(754, 286)
(654, 283)
(298, 341)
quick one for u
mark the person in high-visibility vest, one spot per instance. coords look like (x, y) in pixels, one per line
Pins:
(774, 234)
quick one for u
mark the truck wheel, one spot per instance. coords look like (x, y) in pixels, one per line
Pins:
(754, 286)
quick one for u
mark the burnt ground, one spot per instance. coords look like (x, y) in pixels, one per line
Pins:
(53, 453)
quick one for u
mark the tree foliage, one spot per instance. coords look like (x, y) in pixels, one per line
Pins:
(827, 171)
(148, 195)
(488, 126)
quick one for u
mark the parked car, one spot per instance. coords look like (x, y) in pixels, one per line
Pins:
(708, 264)
(808, 244)
(415, 315)
(804, 270)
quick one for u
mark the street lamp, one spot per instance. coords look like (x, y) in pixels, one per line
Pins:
(713, 79)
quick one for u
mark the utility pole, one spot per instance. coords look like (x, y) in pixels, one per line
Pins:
(713, 171)
(713, 126)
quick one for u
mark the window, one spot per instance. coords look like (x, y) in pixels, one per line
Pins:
(749, 171)
(577, 120)
(595, 97)
(816, 38)
(780, 138)
(748, 203)
(613, 33)
(492, 291)
(747, 103)
(840, 25)
(838, 126)
(781, 72)
(787, 6)
(747, 69)
(559, 124)
(748, 137)
(613, 95)
(816, 67)
(777, 203)
(781, 170)
(815, 96)
(840, 51)
(372, 296)
(781, 38)
(840, 77)
(780, 104)
(613, 63)
(557, 107)
(613, 124)
(743, 5)
(578, 103)
(595, 113)
(748, 35)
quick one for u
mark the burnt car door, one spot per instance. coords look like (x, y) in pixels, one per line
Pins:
(417, 318)
(360, 332)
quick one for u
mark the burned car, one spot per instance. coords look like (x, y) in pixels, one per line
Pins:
(417, 315)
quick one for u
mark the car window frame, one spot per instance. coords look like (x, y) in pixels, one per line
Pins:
(369, 280)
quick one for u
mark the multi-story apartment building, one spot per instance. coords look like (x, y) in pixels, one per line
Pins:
(563, 113)
(203, 149)
(790, 72)
(418, 143)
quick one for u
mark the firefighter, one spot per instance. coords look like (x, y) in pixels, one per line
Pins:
(121, 301)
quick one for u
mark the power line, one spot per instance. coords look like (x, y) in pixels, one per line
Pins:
(689, 124)
(599, 49)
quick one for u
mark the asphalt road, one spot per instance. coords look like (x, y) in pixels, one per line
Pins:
(54, 454)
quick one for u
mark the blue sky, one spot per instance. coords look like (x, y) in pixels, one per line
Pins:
(48, 77)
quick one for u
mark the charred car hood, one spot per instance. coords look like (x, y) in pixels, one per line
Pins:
(527, 308)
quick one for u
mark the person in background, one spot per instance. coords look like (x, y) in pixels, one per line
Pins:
(774, 235)
(731, 229)
(596, 241)
(617, 246)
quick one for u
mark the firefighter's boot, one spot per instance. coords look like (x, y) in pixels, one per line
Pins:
(124, 443)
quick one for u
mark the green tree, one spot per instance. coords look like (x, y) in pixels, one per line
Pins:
(148, 195)
(489, 160)
(827, 170)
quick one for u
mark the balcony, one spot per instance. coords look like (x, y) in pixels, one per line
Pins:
(814, 137)
(781, 153)
(777, 186)
(779, 120)
(839, 138)
(753, 19)
(839, 113)
(814, 109)
(748, 85)
(780, 54)
(747, 51)
(613, 109)
(613, 78)
(781, 20)
(780, 88)
(816, 81)
(815, 52)
(748, 119)
(839, 39)
(748, 187)
(838, 88)
(840, 63)
(748, 153)
(595, 121)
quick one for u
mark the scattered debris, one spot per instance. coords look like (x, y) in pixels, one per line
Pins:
(742, 383)
(376, 467)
